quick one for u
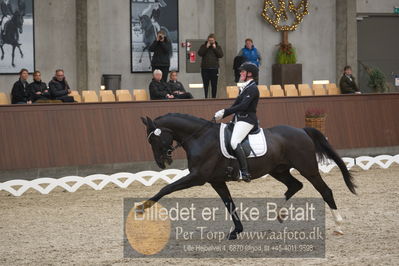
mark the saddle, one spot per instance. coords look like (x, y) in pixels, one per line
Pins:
(254, 144)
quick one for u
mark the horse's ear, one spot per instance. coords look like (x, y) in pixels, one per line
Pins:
(21, 7)
(150, 123)
(144, 120)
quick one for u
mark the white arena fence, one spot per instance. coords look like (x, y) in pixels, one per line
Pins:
(148, 178)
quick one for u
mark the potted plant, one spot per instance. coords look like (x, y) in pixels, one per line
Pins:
(286, 54)
(285, 16)
(377, 79)
(316, 118)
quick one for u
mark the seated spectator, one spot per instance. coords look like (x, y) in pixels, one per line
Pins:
(177, 88)
(347, 83)
(19, 92)
(38, 90)
(59, 88)
(159, 90)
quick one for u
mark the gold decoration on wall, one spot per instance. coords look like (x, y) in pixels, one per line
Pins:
(276, 13)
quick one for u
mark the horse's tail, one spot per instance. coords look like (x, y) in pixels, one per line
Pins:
(324, 150)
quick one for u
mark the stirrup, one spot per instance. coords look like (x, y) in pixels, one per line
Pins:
(246, 177)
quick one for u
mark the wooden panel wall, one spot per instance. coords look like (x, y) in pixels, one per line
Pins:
(43, 136)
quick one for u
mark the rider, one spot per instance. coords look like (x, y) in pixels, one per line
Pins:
(153, 11)
(244, 110)
(6, 11)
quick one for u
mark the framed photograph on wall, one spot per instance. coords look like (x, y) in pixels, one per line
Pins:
(147, 17)
(17, 40)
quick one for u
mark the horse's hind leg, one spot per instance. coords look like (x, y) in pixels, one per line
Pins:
(328, 197)
(306, 163)
(141, 56)
(285, 177)
(293, 185)
(2, 52)
(13, 56)
(149, 57)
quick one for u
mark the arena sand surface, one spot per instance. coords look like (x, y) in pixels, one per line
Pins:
(85, 228)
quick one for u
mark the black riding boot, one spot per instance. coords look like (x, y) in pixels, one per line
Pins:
(242, 160)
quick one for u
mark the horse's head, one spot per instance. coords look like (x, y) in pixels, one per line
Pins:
(18, 16)
(145, 22)
(161, 140)
(18, 20)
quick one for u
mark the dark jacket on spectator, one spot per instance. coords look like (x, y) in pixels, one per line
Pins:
(58, 89)
(162, 53)
(19, 92)
(159, 90)
(348, 85)
(238, 61)
(210, 56)
(38, 86)
(176, 86)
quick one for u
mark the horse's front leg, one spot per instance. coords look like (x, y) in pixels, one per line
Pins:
(186, 182)
(141, 56)
(223, 191)
(20, 51)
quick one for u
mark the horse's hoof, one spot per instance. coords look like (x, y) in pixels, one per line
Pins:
(139, 210)
(232, 236)
(338, 233)
(281, 217)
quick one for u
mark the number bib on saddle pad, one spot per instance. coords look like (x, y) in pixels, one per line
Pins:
(254, 144)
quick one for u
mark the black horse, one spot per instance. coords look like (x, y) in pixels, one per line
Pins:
(288, 148)
(149, 34)
(12, 29)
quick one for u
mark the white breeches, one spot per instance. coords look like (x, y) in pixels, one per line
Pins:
(5, 20)
(157, 27)
(241, 130)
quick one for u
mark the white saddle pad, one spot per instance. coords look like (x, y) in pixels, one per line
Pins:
(257, 142)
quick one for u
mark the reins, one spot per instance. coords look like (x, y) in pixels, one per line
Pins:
(180, 144)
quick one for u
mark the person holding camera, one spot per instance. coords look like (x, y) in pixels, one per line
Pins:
(162, 49)
(210, 52)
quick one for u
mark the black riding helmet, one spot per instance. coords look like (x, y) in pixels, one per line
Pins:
(249, 67)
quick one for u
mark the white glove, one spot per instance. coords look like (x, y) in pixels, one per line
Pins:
(219, 115)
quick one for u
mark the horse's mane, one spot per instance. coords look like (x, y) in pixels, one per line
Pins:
(184, 116)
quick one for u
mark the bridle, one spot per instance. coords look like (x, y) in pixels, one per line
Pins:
(157, 132)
